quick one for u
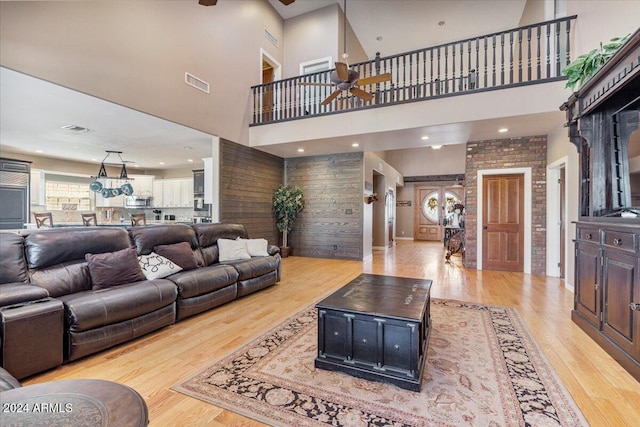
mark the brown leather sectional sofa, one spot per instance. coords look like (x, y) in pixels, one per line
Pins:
(52, 311)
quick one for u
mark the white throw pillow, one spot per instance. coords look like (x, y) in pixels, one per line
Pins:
(155, 266)
(232, 250)
(256, 247)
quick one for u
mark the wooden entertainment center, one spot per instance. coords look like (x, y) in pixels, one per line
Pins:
(603, 119)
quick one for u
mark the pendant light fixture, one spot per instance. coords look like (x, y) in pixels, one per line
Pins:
(99, 183)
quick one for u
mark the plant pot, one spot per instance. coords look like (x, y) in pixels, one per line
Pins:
(285, 251)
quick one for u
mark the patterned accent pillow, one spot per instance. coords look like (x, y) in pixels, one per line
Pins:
(232, 250)
(256, 247)
(114, 268)
(156, 266)
(179, 253)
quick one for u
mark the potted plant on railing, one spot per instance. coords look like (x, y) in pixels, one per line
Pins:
(586, 65)
(287, 203)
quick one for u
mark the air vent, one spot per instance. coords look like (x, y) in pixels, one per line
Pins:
(76, 128)
(199, 84)
(270, 37)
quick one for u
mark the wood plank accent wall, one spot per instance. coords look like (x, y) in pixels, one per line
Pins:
(331, 185)
(248, 180)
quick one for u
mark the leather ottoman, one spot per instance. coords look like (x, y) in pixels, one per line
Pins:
(32, 335)
(74, 403)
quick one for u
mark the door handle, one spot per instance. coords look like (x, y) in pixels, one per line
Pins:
(484, 227)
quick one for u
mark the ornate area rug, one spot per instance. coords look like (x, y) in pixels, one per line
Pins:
(483, 369)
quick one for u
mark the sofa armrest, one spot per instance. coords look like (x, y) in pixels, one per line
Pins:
(272, 250)
(7, 381)
(16, 293)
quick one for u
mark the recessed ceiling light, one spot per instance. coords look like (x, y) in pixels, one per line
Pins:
(424, 138)
(503, 130)
(436, 147)
(190, 160)
(187, 147)
(300, 150)
(38, 151)
(355, 144)
(94, 160)
(136, 166)
(162, 163)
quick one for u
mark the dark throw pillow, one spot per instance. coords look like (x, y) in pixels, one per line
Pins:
(114, 268)
(179, 253)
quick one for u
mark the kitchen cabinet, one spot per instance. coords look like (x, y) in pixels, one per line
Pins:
(186, 193)
(173, 193)
(158, 199)
(37, 187)
(198, 182)
(142, 185)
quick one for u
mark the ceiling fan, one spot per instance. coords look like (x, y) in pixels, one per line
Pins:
(213, 2)
(346, 79)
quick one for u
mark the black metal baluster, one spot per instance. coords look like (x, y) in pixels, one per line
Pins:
(453, 68)
(539, 54)
(486, 60)
(493, 83)
(548, 53)
(477, 67)
(520, 56)
(446, 69)
(510, 57)
(568, 43)
(431, 76)
(557, 59)
(528, 54)
(502, 58)
(424, 73)
(438, 77)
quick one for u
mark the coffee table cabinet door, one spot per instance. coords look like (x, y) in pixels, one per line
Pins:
(397, 347)
(365, 341)
(335, 335)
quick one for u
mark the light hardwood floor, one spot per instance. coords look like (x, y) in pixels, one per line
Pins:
(606, 393)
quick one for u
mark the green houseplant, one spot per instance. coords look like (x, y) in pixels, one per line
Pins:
(586, 65)
(287, 203)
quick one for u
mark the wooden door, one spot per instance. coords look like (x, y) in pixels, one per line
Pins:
(427, 224)
(433, 206)
(267, 96)
(503, 222)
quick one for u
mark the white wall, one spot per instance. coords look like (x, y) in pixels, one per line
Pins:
(135, 53)
(391, 178)
(450, 159)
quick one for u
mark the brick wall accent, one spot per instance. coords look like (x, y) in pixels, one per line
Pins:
(502, 154)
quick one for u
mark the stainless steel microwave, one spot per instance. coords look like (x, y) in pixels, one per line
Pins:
(138, 202)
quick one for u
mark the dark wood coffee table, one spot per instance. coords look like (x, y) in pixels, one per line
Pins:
(376, 327)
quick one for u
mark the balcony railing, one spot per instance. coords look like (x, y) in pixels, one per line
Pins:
(526, 55)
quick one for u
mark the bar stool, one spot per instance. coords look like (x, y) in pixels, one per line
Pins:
(44, 219)
(89, 219)
(138, 219)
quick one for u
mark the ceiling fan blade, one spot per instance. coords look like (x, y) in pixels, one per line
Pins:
(375, 79)
(208, 2)
(287, 2)
(314, 84)
(342, 70)
(361, 94)
(331, 97)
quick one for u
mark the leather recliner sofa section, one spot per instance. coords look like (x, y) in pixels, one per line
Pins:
(96, 319)
(49, 266)
(199, 289)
